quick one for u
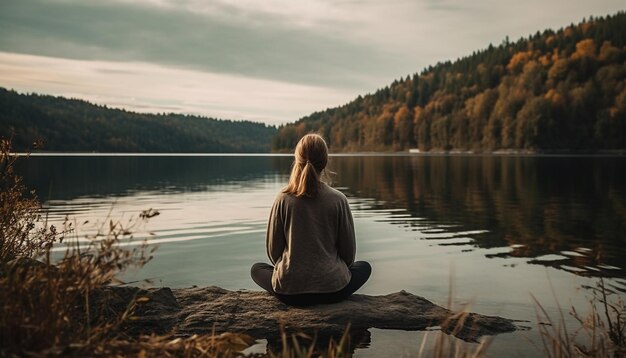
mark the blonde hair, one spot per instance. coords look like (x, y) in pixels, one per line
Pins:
(311, 157)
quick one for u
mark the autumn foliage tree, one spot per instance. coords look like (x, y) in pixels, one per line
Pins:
(556, 90)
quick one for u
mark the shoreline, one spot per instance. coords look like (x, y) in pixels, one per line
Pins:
(432, 153)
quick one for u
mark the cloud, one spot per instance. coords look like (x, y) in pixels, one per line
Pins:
(154, 88)
(221, 41)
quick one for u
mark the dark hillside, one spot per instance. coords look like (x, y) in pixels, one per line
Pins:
(79, 126)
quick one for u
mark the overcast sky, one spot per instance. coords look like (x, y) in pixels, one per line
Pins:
(267, 60)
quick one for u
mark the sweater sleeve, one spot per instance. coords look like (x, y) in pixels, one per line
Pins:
(275, 238)
(347, 240)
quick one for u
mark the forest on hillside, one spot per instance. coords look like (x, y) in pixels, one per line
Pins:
(559, 90)
(78, 126)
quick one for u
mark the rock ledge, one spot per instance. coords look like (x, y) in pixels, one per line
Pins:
(200, 310)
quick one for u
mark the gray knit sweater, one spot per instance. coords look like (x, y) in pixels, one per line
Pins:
(311, 242)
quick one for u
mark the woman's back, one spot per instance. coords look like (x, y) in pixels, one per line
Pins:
(310, 236)
(311, 241)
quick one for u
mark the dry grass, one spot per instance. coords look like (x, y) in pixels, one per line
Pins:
(45, 305)
(601, 332)
(223, 345)
(446, 345)
(300, 345)
(19, 215)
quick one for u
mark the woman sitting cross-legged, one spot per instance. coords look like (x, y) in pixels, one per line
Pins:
(310, 236)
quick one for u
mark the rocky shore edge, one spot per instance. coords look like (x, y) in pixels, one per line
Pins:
(205, 310)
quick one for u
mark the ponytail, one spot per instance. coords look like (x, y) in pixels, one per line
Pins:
(311, 157)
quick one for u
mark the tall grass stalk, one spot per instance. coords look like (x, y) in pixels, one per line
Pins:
(600, 333)
(300, 345)
(445, 344)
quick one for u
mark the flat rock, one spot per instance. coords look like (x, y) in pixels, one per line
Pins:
(203, 310)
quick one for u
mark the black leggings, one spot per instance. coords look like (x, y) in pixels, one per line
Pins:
(262, 274)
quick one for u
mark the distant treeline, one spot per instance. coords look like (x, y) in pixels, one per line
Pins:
(555, 90)
(76, 125)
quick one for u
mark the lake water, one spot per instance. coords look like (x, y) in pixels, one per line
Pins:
(495, 228)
